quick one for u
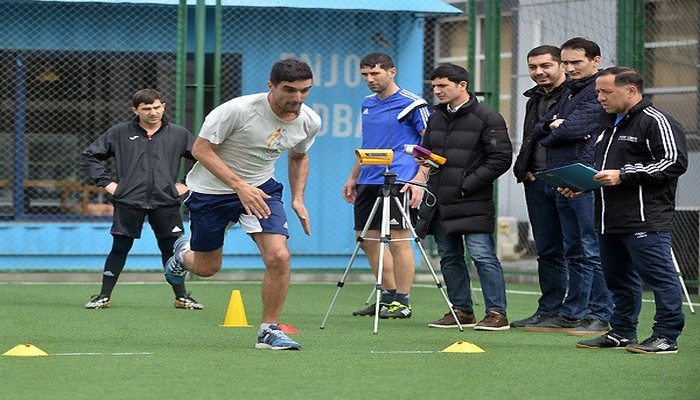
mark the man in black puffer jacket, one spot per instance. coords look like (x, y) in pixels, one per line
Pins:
(569, 132)
(475, 141)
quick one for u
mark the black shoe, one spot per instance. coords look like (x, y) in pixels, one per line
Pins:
(590, 327)
(98, 301)
(610, 340)
(653, 345)
(369, 311)
(188, 303)
(556, 323)
(531, 320)
(396, 310)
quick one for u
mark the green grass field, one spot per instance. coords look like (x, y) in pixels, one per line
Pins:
(144, 348)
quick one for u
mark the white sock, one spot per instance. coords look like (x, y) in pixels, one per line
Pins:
(265, 325)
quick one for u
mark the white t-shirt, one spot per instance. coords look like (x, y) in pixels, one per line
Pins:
(251, 137)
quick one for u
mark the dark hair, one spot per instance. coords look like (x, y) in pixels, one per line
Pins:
(553, 51)
(290, 70)
(146, 96)
(625, 76)
(453, 73)
(590, 48)
(381, 59)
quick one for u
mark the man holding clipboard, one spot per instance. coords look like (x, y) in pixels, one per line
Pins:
(641, 154)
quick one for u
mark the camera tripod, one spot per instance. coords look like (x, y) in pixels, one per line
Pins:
(384, 199)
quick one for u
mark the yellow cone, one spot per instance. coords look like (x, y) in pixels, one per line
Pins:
(463, 347)
(235, 314)
(25, 350)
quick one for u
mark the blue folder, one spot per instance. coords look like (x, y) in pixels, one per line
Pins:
(577, 177)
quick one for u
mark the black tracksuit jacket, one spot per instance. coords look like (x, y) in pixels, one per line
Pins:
(650, 146)
(146, 169)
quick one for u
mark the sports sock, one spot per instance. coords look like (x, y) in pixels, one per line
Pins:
(166, 251)
(402, 298)
(388, 296)
(115, 263)
(265, 325)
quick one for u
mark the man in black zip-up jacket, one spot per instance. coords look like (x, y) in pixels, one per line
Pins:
(640, 156)
(545, 68)
(475, 141)
(147, 152)
(568, 132)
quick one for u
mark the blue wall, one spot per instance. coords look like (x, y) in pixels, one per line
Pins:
(333, 54)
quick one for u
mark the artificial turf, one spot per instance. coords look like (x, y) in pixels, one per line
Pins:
(144, 348)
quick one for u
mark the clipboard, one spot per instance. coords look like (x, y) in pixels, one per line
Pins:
(577, 177)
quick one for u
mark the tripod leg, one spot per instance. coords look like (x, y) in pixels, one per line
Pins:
(680, 277)
(369, 298)
(385, 238)
(417, 240)
(340, 284)
(360, 239)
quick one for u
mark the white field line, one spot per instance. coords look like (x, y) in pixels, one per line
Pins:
(404, 352)
(101, 354)
(420, 285)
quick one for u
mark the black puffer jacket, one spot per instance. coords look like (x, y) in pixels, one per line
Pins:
(650, 146)
(146, 170)
(574, 139)
(475, 141)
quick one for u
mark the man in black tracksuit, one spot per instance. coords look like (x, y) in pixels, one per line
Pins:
(147, 152)
(475, 141)
(640, 156)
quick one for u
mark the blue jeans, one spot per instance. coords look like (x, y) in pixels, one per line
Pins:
(588, 294)
(549, 244)
(454, 268)
(635, 258)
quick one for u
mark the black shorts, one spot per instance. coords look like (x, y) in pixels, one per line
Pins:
(165, 221)
(365, 199)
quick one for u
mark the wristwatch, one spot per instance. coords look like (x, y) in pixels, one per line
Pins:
(623, 174)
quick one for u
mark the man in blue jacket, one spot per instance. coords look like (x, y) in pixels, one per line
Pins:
(569, 133)
(147, 152)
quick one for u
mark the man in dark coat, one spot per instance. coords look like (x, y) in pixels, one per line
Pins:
(569, 132)
(475, 141)
(547, 71)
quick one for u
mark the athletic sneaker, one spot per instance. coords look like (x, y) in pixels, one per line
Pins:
(589, 327)
(396, 310)
(98, 301)
(175, 271)
(369, 311)
(610, 340)
(556, 323)
(188, 303)
(274, 339)
(531, 320)
(467, 320)
(494, 321)
(653, 345)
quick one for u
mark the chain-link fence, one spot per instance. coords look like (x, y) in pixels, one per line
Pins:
(68, 70)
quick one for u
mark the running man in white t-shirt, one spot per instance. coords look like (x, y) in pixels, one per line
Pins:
(233, 181)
